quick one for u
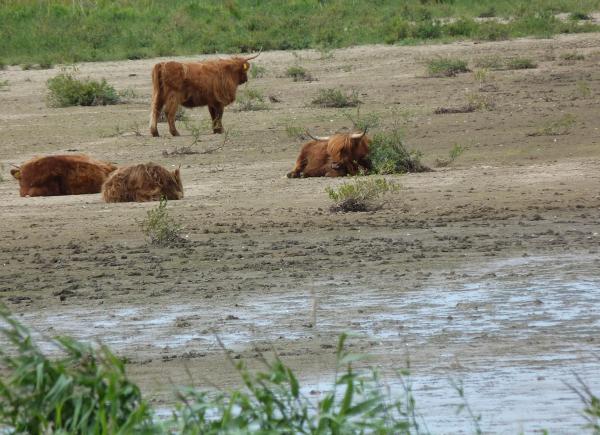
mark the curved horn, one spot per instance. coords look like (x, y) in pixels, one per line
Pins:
(254, 57)
(15, 166)
(319, 138)
(359, 135)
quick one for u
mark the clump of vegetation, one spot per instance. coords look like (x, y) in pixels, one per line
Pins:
(251, 99)
(572, 56)
(446, 67)
(294, 131)
(67, 90)
(455, 152)
(557, 127)
(257, 71)
(389, 155)
(332, 97)
(520, 63)
(478, 101)
(160, 228)
(3, 85)
(363, 194)
(85, 390)
(298, 73)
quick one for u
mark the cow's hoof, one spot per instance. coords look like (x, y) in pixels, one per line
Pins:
(154, 133)
(175, 133)
(218, 130)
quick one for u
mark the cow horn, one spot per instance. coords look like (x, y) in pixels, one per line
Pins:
(359, 135)
(317, 137)
(15, 166)
(254, 57)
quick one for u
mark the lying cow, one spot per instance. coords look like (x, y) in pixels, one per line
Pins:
(141, 183)
(333, 156)
(193, 84)
(62, 175)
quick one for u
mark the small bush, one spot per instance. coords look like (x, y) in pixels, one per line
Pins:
(257, 71)
(332, 97)
(446, 67)
(298, 73)
(360, 195)
(66, 90)
(520, 63)
(160, 228)
(251, 99)
(389, 155)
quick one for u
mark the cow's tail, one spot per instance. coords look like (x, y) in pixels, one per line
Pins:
(157, 98)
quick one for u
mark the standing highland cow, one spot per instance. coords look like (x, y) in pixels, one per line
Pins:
(193, 84)
(142, 183)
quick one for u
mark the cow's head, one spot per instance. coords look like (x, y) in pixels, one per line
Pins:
(242, 66)
(344, 148)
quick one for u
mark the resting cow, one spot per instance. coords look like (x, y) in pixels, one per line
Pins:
(62, 175)
(193, 84)
(141, 183)
(333, 156)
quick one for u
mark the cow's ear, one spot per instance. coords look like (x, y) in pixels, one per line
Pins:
(16, 173)
(246, 66)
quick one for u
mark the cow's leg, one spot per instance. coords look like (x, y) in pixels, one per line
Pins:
(298, 168)
(171, 110)
(158, 102)
(216, 112)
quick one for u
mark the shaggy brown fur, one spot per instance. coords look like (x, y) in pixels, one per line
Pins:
(141, 183)
(213, 83)
(335, 156)
(62, 175)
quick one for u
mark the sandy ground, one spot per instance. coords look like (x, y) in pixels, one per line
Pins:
(484, 270)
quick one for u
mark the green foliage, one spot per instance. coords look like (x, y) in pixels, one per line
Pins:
(257, 71)
(454, 153)
(67, 90)
(446, 67)
(85, 391)
(251, 99)
(557, 127)
(389, 155)
(520, 63)
(67, 31)
(160, 228)
(361, 194)
(298, 73)
(332, 97)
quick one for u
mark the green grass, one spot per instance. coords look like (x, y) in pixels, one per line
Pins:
(446, 67)
(257, 71)
(333, 97)
(67, 31)
(66, 89)
(520, 63)
(249, 99)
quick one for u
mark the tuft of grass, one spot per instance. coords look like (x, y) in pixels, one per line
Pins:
(85, 390)
(67, 90)
(520, 63)
(332, 97)
(454, 153)
(583, 89)
(3, 85)
(251, 99)
(572, 56)
(294, 131)
(478, 101)
(360, 195)
(389, 155)
(446, 67)
(557, 127)
(298, 73)
(257, 71)
(160, 228)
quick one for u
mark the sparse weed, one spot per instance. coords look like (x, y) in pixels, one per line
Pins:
(294, 131)
(67, 90)
(325, 52)
(520, 63)
(3, 85)
(363, 122)
(583, 89)
(179, 151)
(389, 155)
(251, 99)
(572, 56)
(298, 73)
(557, 127)
(257, 71)
(479, 101)
(455, 152)
(160, 228)
(482, 76)
(360, 195)
(332, 97)
(128, 93)
(446, 67)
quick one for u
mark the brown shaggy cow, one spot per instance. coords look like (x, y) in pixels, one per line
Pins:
(333, 156)
(61, 175)
(193, 84)
(141, 183)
